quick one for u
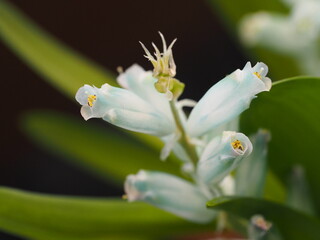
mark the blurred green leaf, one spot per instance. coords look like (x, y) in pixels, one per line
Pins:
(40, 216)
(110, 153)
(231, 13)
(299, 192)
(274, 189)
(62, 67)
(293, 225)
(291, 112)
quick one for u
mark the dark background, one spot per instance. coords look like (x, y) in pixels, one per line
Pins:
(108, 33)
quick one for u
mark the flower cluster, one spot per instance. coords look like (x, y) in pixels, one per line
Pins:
(206, 141)
(296, 34)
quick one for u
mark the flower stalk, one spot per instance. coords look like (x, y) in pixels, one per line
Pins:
(184, 139)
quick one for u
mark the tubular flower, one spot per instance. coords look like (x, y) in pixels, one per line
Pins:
(228, 98)
(170, 193)
(137, 106)
(222, 155)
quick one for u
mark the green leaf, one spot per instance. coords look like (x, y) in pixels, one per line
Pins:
(99, 149)
(48, 217)
(231, 12)
(291, 112)
(274, 189)
(64, 68)
(292, 224)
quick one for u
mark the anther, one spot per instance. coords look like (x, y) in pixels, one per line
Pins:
(91, 100)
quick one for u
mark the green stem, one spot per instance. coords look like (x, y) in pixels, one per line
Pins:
(184, 139)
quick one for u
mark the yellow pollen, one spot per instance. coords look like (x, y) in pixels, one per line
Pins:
(91, 100)
(237, 145)
(257, 74)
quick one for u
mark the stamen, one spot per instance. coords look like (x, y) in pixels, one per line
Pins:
(237, 145)
(258, 74)
(91, 100)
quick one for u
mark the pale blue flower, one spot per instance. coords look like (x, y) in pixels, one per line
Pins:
(222, 155)
(228, 98)
(139, 107)
(169, 193)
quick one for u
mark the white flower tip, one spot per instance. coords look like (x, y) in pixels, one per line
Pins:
(260, 70)
(132, 192)
(105, 88)
(240, 143)
(133, 72)
(86, 112)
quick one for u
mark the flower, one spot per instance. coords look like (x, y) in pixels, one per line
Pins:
(228, 98)
(170, 193)
(222, 155)
(163, 63)
(164, 69)
(137, 106)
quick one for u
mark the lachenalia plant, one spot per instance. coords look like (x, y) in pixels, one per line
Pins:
(206, 142)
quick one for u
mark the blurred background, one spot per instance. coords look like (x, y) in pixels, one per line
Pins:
(106, 32)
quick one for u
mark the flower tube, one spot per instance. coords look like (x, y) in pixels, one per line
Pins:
(222, 155)
(170, 193)
(228, 98)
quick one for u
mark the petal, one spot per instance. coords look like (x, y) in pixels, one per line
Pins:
(149, 123)
(226, 100)
(83, 92)
(170, 193)
(98, 106)
(124, 99)
(141, 82)
(170, 141)
(220, 156)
